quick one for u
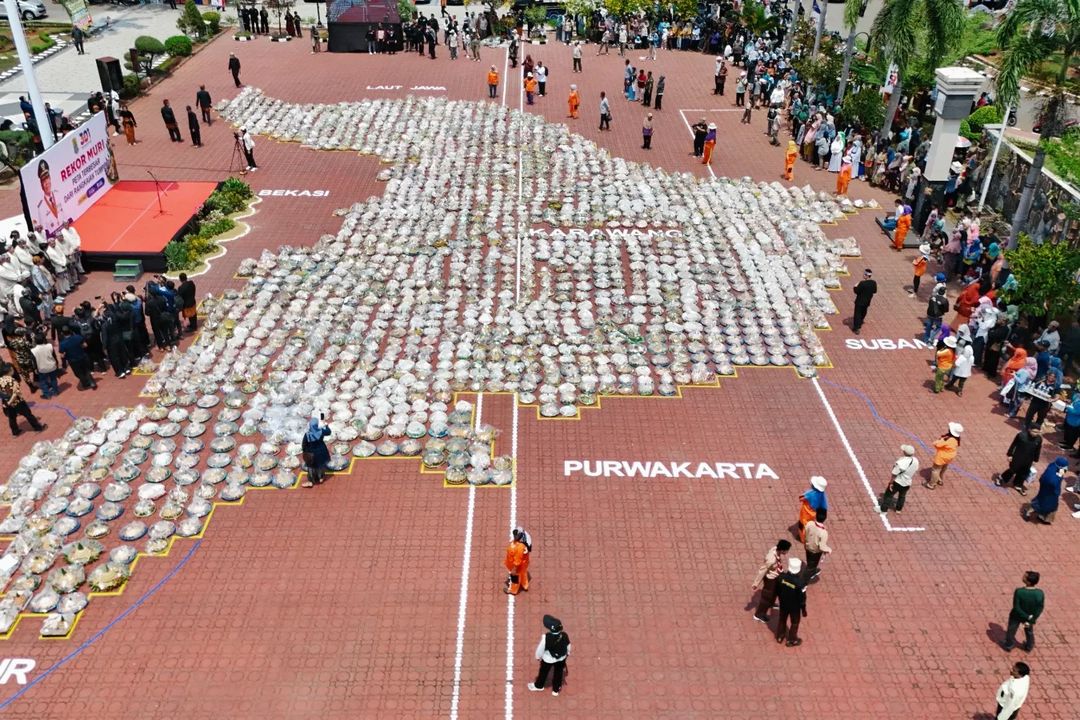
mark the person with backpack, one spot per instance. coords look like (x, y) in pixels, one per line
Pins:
(552, 652)
(935, 312)
(112, 338)
(88, 326)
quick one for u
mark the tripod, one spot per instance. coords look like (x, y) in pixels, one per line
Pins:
(238, 163)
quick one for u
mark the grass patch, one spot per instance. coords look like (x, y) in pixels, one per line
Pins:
(38, 37)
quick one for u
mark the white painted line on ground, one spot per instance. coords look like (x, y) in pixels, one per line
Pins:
(463, 595)
(738, 109)
(509, 699)
(508, 690)
(690, 130)
(855, 461)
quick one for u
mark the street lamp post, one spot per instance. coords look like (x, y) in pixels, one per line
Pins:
(41, 118)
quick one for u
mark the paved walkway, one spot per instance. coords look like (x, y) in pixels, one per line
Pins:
(66, 79)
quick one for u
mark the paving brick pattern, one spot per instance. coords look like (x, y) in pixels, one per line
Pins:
(342, 602)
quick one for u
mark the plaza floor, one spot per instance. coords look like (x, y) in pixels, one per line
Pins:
(379, 594)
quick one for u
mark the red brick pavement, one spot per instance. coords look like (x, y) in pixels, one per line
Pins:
(343, 602)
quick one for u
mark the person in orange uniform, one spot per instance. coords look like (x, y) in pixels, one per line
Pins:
(966, 302)
(918, 266)
(517, 561)
(945, 449)
(903, 224)
(530, 88)
(789, 160)
(573, 102)
(493, 83)
(710, 143)
(944, 360)
(844, 178)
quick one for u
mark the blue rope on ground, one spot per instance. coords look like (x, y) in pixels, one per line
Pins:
(53, 406)
(97, 636)
(915, 439)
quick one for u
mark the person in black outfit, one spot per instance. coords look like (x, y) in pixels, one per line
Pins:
(77, 37)
(90, 328)
(193, 127)
(791, 591)
(114, 324)
(203, 102)
(552, 652)
(172, 4)
(185, 292)
(169, 117)
(73, 347)
(701, 129)
(864, 293)
(1022, 453)
(234, 68)
(264, 21)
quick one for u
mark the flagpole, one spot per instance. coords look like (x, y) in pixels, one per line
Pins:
(41, 117)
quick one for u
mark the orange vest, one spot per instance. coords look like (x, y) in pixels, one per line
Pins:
(493, 78)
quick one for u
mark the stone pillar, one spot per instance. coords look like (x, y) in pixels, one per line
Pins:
(957, 88)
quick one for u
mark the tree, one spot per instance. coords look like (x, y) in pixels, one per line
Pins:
(1035, 32)
(149, 48)
(756, 20)
(897, 31)
(191, 20)
(625, 9)
(406, 9)
(1046, 276)
(853, 10)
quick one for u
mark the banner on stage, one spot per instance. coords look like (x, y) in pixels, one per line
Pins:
(64, 181)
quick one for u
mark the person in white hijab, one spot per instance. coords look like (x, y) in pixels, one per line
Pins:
(10, 275)
(984, 319)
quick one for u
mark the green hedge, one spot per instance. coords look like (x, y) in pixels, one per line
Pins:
(232, 197)
(213, 21)
(178, 46)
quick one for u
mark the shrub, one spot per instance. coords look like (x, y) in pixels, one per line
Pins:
(178, 46)
(971, 127)
(863, 109)
(46, 43)
(177, 256)
(191, 20)
(131, 87)
(213, 21)
(149, 48)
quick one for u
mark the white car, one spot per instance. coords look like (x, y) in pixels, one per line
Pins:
(28, 10)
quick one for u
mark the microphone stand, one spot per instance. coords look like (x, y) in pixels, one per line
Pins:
(157, 190)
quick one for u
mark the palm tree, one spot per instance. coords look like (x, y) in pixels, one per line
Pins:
(756, 20)
(1034, 32)
(853, 10)
(896, 31)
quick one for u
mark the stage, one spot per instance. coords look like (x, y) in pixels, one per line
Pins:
(353, 25)
(126, 224)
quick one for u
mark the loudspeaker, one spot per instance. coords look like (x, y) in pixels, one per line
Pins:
(110, 74)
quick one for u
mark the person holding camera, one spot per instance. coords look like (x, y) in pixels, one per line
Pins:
(315, 454)
(247, 144)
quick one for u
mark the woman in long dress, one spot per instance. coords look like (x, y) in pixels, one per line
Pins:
(836, 153)
(1045, 504)
(127, 119)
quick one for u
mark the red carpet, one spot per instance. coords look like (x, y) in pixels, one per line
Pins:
(127, 222)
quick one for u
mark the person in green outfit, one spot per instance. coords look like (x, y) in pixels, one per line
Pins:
(1026, 609)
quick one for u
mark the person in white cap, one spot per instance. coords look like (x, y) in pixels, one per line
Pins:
(810, 502)
(791, 591)
(918, 266)
(945, 449)
(944, 360)
(903, 473)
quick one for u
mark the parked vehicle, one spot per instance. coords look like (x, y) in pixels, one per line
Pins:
(28, 10)
(1067, 125)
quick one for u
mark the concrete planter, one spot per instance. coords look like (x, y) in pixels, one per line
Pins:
(242, 38)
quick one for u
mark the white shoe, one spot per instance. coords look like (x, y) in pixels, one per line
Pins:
(534, 688)
(555, 693)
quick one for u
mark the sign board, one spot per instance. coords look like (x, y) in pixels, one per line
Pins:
(79, 12)
(64, 181)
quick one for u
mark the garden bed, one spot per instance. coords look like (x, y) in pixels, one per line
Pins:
(38, 38)
(216, 223)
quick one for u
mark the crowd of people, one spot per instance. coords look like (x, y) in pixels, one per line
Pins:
(43, 341)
